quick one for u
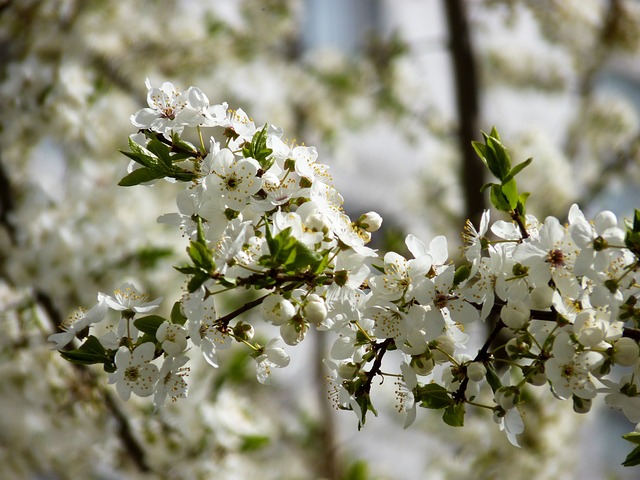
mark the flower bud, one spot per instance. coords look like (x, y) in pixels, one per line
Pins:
(476, 371)
(536, 377)
(314, 310)
(542, 297)
(625, 351)
(370, 221)
(293, 331)
(515, 314)
(316, 223)
(347, 370)
(517, 347)
(422, 364)
(243, 331)
(277, 310)
(445, 344)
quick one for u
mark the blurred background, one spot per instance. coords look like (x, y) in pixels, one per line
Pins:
(391, 92)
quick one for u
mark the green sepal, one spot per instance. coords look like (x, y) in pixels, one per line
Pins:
(632, 237)
(149, 324)
(433, 396)
(633, 459)
(379, 268)
(633, 437)
(176, 314)
(183, 146)
(492, 378)
(89, 353)
(454, 414)
(462, 273)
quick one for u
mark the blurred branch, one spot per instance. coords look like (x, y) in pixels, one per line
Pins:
(609, 171)
(467, 102)
(329, 466)
(6, 203)
(605, 42)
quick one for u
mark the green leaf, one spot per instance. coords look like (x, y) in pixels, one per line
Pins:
(433, 396)
(305, 258)
(90, 352)
(188, 270)
(481, 151)
(140, 155)
(498, 199)
(258, 150)
(143, 160)
(454, 415)
(149, 324)
(160, 150)
(176, 314)
(201, 256)
(486, 185)
(510, 192)
(517, 169)
(633, 459)
(196, 281)
(502, 160)
(358, 470)
(140, 175)
(251, 443)
(522, 202)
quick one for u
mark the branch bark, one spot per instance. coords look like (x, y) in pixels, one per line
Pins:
(467, 103)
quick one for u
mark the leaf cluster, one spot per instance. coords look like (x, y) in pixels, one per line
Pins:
(157, 161)
(504, 195)
(258, 150)
(437, 397)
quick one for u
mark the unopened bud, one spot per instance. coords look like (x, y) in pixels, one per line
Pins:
(243, 331)
(370, 221)
(277, 310)
(476, 371)
(315, 310)
(625, 351)
(515, 314)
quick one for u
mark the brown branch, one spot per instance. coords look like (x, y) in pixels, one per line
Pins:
(381, 349)
(467, 103)
(7, 204)
(482, 356)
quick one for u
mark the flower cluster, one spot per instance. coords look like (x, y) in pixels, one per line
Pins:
(260, 214)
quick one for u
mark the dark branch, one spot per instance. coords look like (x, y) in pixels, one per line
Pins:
(467, 103)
